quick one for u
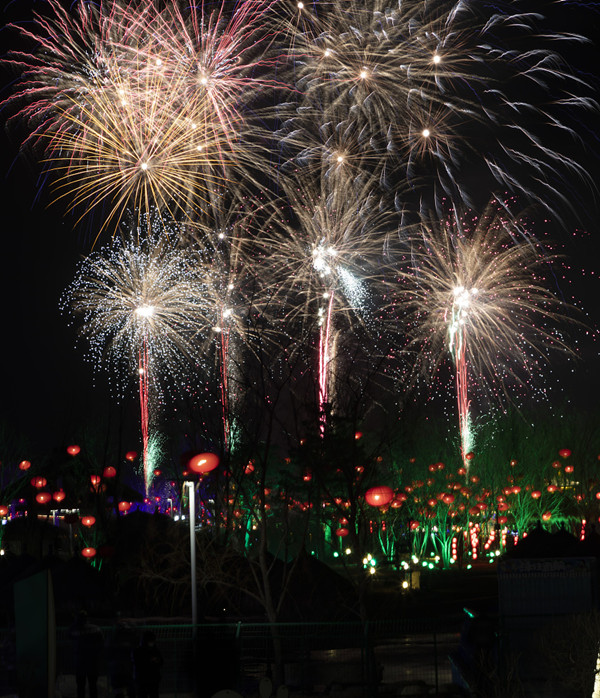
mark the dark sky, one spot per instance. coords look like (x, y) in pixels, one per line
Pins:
(46, 387)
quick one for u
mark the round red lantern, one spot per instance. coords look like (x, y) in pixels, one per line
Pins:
(95, 480)
(249, 468)
(88, 553)
(88, 521)
(342, 532)
(502, 520)
(24, 465)
(474, 511)
(203, 462)
(131, 456)
(470, 455)
(448, 498)
(73, 450)
(569, 469)
(379, 496)
(396, 503)
(414, 525)
(109, 471)
(307, 477)
(564, 453)
(536, 494)
(124, 506)
(39, 482)
(547, 515)
(3, 510)
(59, 495)
(358, 435)
(43, 497)
(513, 463)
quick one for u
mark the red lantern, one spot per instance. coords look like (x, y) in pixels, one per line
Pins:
(24, 465)
(448, 498)
(564, 453)
(414, 525)
(474, 511)
(358, 435)
(124, 506)
(516, 489)
(379, 496)
(249, 468)
(88, 521)
(513, 463)
(502, 520)
(59, 495)
(470, 455)
(73, 450)
(109, 471)
(462, 471)
(536, 494)
(203, 462)
(396, 503)
(88, 553)
(307, 477)
(131, 456)
(43, 497)
(3, 510)
(569, 468)
(95, 480)
(547, 515)
(342, 532)
(39, 482)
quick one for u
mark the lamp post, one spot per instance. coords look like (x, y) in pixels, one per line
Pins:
(192, 511)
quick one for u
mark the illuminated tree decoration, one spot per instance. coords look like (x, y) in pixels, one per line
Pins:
(24, 465)
(131, 456)
(124, 507)
(564, 453)
(39, 482)
(43, 497)
(342, 532)
(73, 450)
(88, 553)
(88, 521)
(109, 472)
(203, 462)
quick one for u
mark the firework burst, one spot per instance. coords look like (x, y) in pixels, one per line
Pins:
(476, 288)
(138, 107)
(142, 306)
(325, 255)
(444, 91)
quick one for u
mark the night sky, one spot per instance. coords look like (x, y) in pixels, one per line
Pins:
(48, 390)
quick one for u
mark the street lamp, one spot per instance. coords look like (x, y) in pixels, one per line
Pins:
(192, 510)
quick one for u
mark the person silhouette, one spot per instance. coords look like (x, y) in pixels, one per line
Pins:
(89, 643)
(147, 663)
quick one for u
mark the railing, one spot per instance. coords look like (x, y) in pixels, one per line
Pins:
(366, 659)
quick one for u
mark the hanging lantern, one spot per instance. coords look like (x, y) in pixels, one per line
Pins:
(95, 480)
(513, 463)
(39, 482)
(88, 521)
(502, 520)
(89, 553)
(569, 469)
(249, 468)
(124, 506)
(547, 515)
(307, 477)
(109, 471)
(379, 496)
(203, 462)
(59, 495)
(470, 455)
(564, 453)
(448, 498)
(73, 450)
(43, 497)
(536, 494)
(342, 532)
(24, 465)
(358, 435)
(131, 456)
(3, 510)
(396, 503)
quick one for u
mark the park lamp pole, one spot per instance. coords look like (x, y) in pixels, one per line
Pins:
(192, 507)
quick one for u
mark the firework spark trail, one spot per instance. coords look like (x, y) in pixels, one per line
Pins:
(434, 89)
(143, 308)
(476, 288)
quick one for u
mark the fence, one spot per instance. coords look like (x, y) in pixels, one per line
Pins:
(350, 659)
